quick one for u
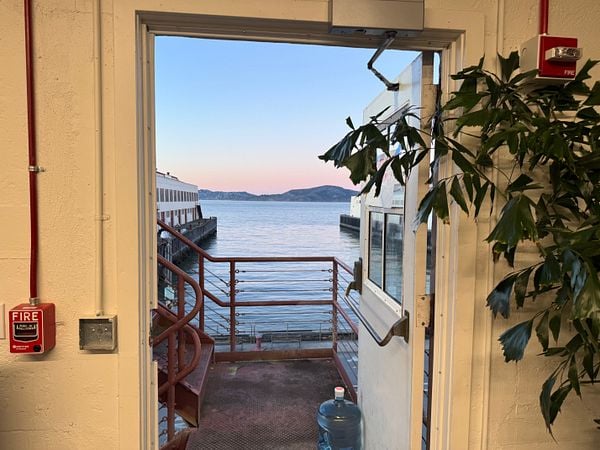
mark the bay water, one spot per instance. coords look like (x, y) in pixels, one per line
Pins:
(261, 228)
(274, 229)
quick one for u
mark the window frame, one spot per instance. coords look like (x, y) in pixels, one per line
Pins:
(381, 290)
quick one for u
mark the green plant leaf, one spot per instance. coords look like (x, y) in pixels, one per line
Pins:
(457, 194)
(468, 182)
(516, 222)
(573, 265)
(463, 100)
(522, 183)
(474, 118)
(508, 65)
(515, 339)
(594, 97)
(523, 76)
(425, 207)
(574, 375)
(440, 204)
(588, 363)
(554, 324)
(481, 191)
(462, 163)
(588, 114)
(541, 330)
(587, 303)
(521, 283)
(361, 165)
(546, 401)
(550, 272)
(499, 299)
(556, 401)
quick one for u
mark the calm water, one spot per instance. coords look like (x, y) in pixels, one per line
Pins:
(247, 228)
(274, 229)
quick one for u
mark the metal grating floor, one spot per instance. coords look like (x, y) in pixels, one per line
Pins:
(264, 405)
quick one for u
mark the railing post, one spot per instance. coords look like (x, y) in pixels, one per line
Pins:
(232, 337)
(334, 321)
(201, 284)
(171, 388)
(180, 315)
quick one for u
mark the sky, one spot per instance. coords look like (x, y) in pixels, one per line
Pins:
(250, 116)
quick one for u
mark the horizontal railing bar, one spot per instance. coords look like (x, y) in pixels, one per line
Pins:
(283, 303)
(283, 270)
(294, 313)
(211, 258)
(305, 280)
(264, 291)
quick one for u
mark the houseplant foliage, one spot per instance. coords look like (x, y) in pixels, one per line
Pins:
(544, 146)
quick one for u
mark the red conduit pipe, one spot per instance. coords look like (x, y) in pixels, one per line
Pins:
(544, 16)
(33, 168)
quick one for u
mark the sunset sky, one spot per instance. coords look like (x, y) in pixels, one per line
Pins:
(247, 116)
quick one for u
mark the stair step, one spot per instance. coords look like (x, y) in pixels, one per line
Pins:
(189, 392)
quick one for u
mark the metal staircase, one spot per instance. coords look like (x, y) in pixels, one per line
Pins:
(183, 352)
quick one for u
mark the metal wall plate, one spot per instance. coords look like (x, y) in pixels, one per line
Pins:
(98, 333)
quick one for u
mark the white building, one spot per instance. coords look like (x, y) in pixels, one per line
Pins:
(176, 201)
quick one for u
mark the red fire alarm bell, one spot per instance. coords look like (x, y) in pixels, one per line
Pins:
(32, 328)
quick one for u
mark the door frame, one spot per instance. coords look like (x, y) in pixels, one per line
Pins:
(459, 36)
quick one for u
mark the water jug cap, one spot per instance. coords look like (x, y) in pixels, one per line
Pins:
(339, 393)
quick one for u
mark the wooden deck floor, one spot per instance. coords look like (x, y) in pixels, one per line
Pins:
(264, 405)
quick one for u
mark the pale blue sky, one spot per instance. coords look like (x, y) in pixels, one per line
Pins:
(254, 116)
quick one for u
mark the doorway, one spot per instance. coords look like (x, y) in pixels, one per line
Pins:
(153, 25)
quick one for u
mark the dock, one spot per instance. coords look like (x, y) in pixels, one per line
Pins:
(350, 223)
(174, 250)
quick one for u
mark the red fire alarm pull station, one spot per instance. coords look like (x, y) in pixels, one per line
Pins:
(32, 328)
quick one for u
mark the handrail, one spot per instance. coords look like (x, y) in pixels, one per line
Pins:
(177, 368)
(242, 259)
(400, 328)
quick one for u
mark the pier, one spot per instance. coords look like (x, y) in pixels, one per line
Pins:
(174, 250)
(350, 223)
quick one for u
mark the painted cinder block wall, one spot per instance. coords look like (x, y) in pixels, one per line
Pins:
(73, 400)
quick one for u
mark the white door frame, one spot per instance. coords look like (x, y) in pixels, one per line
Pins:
(460, 38)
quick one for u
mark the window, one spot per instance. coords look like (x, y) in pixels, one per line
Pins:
(376, 248)
(385, 252)
(392, 269)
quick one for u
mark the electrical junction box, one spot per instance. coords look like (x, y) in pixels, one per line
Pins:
(554, 57)
(32, 328)
(98, 333)
(376, 17)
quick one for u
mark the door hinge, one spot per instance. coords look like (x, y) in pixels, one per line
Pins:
(423, 309)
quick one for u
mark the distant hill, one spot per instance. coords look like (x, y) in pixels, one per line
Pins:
(315, 194)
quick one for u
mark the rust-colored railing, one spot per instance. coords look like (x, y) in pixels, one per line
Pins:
(272, 303)
(170, 344)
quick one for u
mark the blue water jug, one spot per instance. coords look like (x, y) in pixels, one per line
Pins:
(339, 424)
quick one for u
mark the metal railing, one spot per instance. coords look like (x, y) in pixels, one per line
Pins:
(176, 343)
(277, 304)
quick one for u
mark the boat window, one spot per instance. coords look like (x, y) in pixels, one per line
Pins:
(376, 248)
